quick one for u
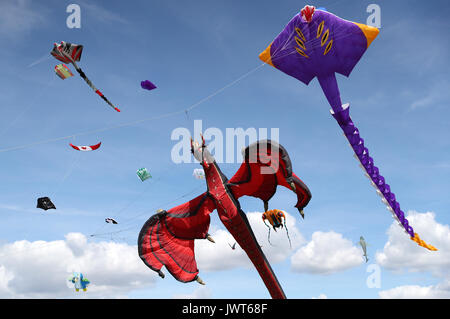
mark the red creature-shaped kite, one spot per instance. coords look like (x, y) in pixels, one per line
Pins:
(167, 238)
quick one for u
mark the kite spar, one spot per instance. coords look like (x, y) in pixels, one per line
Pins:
(71, 53)
(316, 43)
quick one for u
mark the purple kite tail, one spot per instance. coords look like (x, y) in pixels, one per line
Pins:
(383, 189)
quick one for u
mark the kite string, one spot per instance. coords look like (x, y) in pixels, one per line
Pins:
(287, 233)
(165, 115)
(146, 211)
(225, 87)
(45, 244)
(40, 60)
(151, 118)
(268, 235)
(164, 204)
(68, 172)
(35, 99)
(129, 203)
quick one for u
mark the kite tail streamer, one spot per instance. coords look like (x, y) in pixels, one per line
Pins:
(85, 78)
(287, 233)
(268, 235)
(366, 162)
(420, 242)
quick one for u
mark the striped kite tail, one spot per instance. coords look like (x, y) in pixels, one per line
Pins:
(85, 78)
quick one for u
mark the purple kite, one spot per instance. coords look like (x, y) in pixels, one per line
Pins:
(147, 85)
(317, 43)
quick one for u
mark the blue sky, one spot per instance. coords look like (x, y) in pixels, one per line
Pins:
(190, 51)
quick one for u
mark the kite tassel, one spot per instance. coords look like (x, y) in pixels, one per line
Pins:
(420, 242)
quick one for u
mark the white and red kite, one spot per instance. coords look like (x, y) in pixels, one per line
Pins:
(86, 148)
(71, 53)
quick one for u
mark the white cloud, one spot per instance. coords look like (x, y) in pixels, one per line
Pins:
(40, 269)
(321, 296)
(278, 249)
(219, 256)
(5, 277)
(439, 291)
(326, 253)
(400, 253)
(199, 293)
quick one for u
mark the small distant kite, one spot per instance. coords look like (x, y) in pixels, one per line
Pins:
(110, 221)
(79, 281)
(45, 203)
(277, 219)
(199, 173)
(86, 148)
(363, 244)
(71, 53)
(143, 174)
(232, 246)
(63, 71)
(147, 85)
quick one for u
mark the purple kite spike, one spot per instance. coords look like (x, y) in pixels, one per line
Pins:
(354, 138)
(348, 129)
(391, 198)
(370, 162)
(400, 216)
(359, 149)
(147, 85)
(410, 230)
(343, 117)
(375, 172)
(396, 207)
(380, 181)
(387, 191)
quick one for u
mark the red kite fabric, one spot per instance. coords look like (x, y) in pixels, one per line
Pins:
(167, 238)
(86, 148)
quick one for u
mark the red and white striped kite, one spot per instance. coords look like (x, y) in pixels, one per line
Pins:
(71, 53)
(86, 148)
